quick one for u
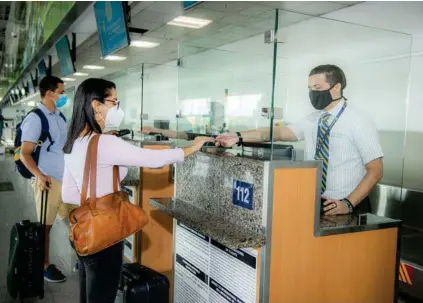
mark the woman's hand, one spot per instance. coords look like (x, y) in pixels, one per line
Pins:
(199, 142)
(196, 145)
(111, 132)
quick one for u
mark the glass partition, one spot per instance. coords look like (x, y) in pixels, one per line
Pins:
(128, 85)
(147, 94)
(225, 89)
(376, 66)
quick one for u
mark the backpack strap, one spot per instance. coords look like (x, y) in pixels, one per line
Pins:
(63, 116)
(45, 129)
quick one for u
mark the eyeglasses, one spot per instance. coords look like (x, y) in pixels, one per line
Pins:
(115, 102)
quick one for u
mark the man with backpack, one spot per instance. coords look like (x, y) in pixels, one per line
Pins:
(40, 157)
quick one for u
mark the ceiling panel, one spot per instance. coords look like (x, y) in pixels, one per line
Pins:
(201, 12)
(167, 7)
(227, 6)
(171, 32)
(285, 4)
(319, 8)
(255, 10)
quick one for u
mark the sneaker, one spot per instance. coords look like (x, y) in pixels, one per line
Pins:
(52, 274)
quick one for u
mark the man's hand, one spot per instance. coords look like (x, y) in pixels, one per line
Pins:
(227, 140)
(333, 207)
(44, 182)
(111, 132)
(148, 129)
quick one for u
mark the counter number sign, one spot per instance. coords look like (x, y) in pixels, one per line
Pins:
(242, 194)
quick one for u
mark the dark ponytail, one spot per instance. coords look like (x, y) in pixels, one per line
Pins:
(83, 114)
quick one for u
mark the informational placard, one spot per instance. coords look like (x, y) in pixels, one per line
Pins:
(65, 58)
(242, 194)
(112, 26)
(209, 272)
(42, 70)
(129, 243)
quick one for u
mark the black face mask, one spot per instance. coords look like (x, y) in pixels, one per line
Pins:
(320, 99)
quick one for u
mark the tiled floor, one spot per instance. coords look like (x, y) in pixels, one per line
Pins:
(15, 206)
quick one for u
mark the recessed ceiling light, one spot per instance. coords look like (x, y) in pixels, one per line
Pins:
(144, 44)
(80, 74)
(68, 79)
(94, 67)
(189, 22)
(115, 58)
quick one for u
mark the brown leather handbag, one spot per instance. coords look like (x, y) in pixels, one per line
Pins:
(102, 222)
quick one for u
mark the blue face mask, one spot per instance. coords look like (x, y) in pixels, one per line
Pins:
(63, 99)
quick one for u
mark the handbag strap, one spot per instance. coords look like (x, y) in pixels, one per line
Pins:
(90, 174)
(90, 171)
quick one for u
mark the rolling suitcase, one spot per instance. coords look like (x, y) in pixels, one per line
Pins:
(25, 272)
(142, 284)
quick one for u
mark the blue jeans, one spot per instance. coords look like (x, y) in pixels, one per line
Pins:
(99, 275)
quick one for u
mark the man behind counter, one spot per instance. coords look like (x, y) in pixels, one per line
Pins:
(338, 134)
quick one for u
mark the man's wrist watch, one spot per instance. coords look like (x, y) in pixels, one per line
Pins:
(348, 204)
(240, 141)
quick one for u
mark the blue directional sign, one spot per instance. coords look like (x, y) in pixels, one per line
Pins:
(41, 70)
(111, 25)
(65, 59)
(189, 4)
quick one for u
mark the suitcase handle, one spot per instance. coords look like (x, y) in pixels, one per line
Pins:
(43, 212)
(128, 274)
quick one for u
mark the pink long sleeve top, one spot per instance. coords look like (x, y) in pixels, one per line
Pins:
(111, 151)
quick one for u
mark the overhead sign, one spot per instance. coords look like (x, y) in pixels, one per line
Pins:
(42, 70)
(188, 4)
(112, 26)
(65, 58)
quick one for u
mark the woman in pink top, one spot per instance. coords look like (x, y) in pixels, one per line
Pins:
(96, 106)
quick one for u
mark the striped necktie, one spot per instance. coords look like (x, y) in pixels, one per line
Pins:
(323, 143)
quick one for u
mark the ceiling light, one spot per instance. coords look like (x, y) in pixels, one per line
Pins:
(190, 22)
(115, 58)
(93, 67)
(144, 44)
(68, 79)
(80, 74)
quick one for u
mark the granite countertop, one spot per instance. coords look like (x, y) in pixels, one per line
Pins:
(335, 225)
(132, 178)
(226, 233)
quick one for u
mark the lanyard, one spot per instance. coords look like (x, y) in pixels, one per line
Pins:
(325, 136)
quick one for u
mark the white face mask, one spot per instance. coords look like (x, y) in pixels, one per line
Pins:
(114, 117)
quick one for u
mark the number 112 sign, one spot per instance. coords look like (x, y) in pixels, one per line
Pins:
(242, 194)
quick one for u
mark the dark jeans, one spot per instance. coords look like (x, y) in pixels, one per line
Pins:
(99, 275)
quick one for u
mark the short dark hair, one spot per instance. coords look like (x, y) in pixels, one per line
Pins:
(333, 73)
(83, 115)
(49, 83)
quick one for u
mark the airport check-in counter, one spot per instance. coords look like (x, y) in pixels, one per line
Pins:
(249, 229)
(405, 204)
